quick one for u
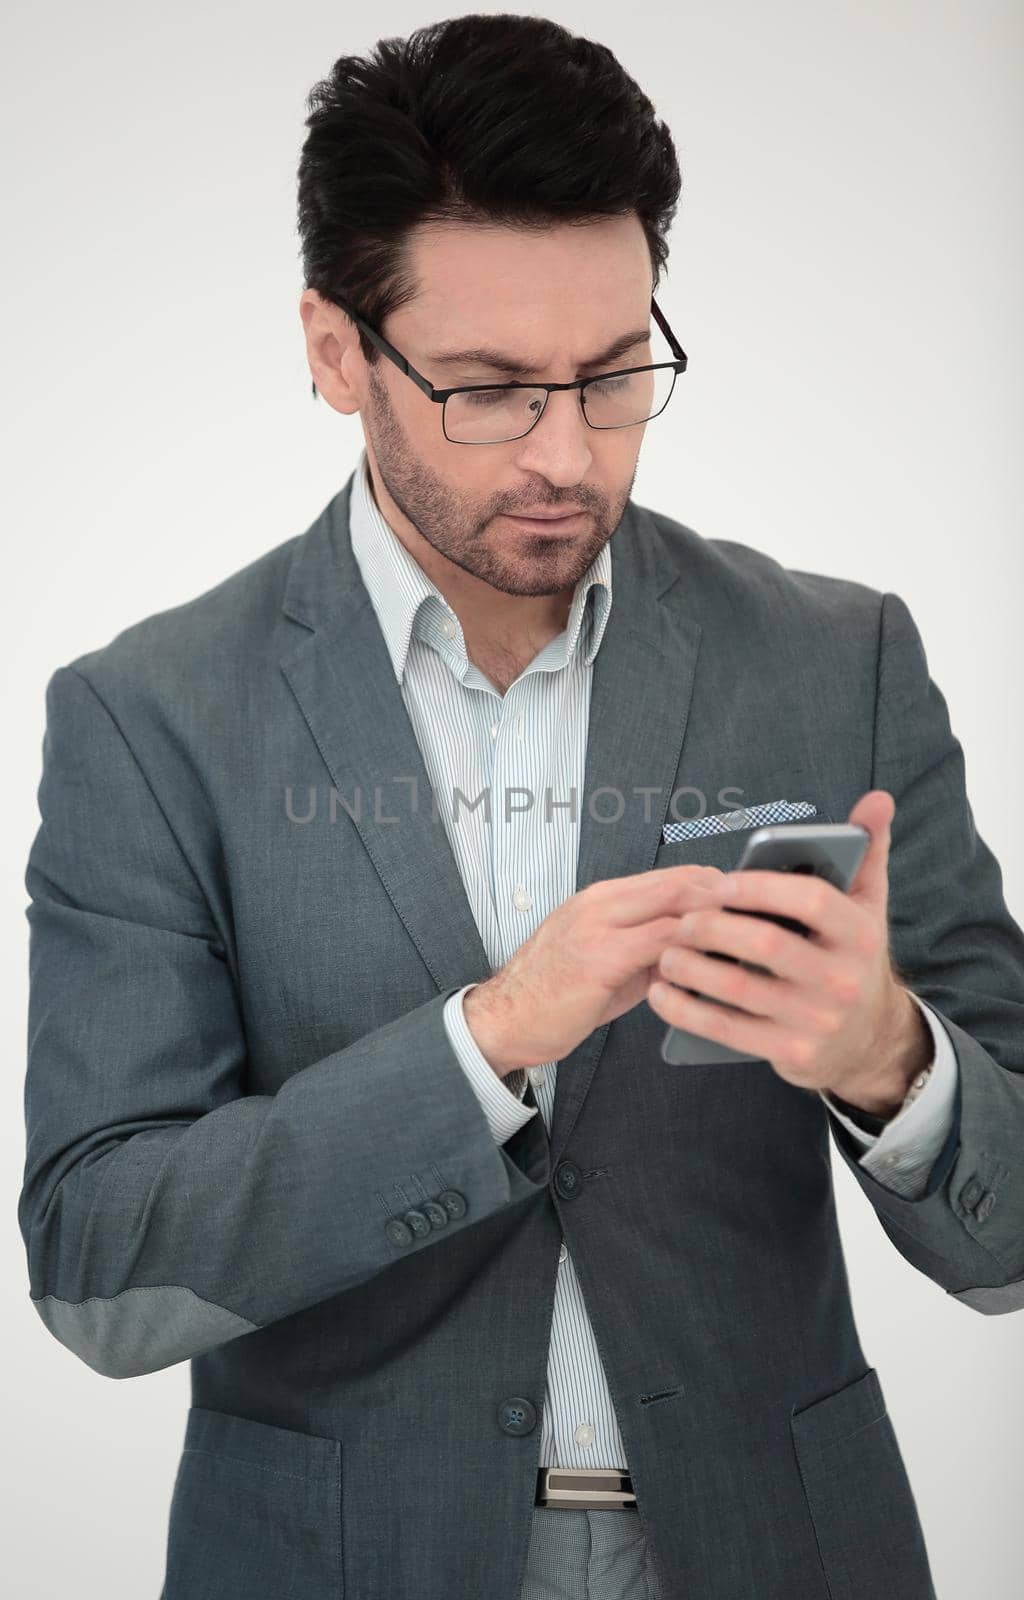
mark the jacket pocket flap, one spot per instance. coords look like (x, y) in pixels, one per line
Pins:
(835, 1417)
(285, 1451)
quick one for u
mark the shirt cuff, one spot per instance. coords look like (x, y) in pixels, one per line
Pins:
(500, 1098)
(902, 1155)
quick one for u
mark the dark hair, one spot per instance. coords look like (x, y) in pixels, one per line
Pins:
(477, 119)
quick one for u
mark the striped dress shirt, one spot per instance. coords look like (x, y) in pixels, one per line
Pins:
(506, 774)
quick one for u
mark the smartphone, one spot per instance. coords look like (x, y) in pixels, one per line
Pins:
(829, 850)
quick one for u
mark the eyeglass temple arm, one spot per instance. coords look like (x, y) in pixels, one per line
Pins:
(677, 349)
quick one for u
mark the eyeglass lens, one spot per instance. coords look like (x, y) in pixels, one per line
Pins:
(493, 416)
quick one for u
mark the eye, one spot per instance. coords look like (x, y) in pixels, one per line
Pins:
(608, 385)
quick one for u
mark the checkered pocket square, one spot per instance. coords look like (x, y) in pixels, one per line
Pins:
(743, 818)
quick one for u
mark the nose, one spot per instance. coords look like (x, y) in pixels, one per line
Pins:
(558, 446)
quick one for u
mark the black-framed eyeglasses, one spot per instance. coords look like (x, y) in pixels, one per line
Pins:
(489, 413)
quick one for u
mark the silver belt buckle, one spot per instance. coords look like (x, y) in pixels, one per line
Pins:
(593, 1489)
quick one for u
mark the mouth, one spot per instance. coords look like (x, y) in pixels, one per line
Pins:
(556, 525)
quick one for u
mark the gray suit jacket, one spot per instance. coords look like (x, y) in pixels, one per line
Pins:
(239, 1084)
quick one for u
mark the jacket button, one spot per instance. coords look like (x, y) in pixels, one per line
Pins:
(568, 1179)
(437, 1214)
(397, 1231)
(985, 1205)
(517, 1415)
(454, 1203)
(419, 1224)
(970, 1194)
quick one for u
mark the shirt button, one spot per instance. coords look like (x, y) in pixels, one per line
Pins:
(892, 1160)
(584, 1434)
(521, 898)
(519, 725)
(448, 628)
(563, 1251)
(494, 730)
(536, 1074)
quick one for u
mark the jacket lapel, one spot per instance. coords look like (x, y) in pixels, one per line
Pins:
(342, 679)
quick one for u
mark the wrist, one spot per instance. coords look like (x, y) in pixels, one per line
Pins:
(910, 1054)
(486, 1012)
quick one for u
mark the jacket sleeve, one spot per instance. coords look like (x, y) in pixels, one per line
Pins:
(165, 1209)
(956, 946)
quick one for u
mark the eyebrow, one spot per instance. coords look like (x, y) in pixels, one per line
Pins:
(483, 357)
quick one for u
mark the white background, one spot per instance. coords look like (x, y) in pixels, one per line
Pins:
(845, 278)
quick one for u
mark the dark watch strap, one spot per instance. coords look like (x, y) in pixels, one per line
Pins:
(864, 1119)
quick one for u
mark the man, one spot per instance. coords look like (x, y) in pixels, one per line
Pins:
(354, 885)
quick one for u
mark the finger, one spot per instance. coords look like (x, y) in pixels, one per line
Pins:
(818, 904)
(792, 1005)
(645, 943)
(874, 811)
(756, 1035)
(646, 895)
(781, 952)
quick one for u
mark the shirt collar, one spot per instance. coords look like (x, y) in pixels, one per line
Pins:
(406, 601)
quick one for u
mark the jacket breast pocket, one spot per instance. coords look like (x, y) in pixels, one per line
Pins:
(722, 850)
(859, 1497)
(256, 1510)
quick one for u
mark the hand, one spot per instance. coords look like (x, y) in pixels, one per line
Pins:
(828, 1012)
(589, 961)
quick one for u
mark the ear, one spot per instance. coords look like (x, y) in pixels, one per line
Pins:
(336, 363)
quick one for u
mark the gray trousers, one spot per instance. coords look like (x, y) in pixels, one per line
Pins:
(587, 1555)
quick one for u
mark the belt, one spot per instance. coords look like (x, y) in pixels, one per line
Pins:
(595, 1489)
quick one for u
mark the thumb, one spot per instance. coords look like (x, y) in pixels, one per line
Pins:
(874, 811)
